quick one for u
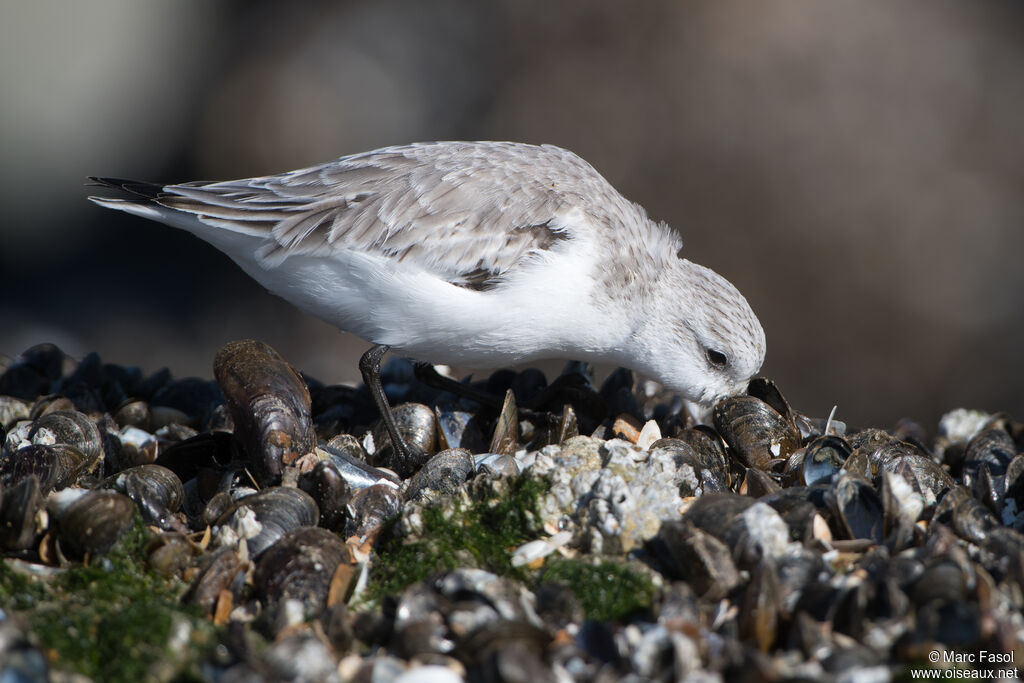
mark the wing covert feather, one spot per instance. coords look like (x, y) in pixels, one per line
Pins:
(456, 209)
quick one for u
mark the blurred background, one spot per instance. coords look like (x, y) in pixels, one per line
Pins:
(856, 169)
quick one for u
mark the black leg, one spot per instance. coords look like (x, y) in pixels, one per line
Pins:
(369, 366)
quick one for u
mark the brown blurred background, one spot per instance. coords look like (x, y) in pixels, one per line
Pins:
(856, 169)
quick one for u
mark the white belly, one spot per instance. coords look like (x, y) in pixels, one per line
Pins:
(544, 311)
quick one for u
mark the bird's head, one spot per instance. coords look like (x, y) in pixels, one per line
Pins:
(706, 343)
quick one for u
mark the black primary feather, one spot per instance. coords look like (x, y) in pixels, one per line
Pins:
(137, 188)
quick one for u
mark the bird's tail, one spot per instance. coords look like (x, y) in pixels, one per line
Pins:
(136, 188)
(142, 200)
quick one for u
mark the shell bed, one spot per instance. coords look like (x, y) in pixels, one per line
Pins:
(260, 527)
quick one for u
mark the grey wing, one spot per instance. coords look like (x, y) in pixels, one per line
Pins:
(468, 212)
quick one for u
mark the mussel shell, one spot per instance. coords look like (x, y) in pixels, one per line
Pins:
(459, 429)
(19, 505)
(714, 512)
(505, 439)
(801, 508)
(944, 510)
(957, 623)
(706, 445)
(334, 408)
(754, 430)
(218, 504)
(990, 448)
(83, 385)
(797, 571)
(496, 465)
(708, 465)
(417, 426)
(164, 484)
(552, 431)
(567, 426)
(348, 446)
(33, 372)
(170, 554)
(760, 606)
(371, 507)
(134, 446)
(174, 432)
(190, 399)
(902, 506)
(93, 523)
(442, 475)
(527, 384)
(215, 451)
(858, 507)
(824, 458)
(758, 483)
(697, 557)
(12, 410)
(220, 571)
(942, 580)
(507, 651)
(1005, 549)
(766, 390)
(988, 488)
(419, 627)
(810, 427)
(755, 535)
(617, 393)
(73, 428)
(56, 466)
(331, 492)
(51, 403)
(300, 566)
(972, 520)
(573, 388)
(948, 562)
(269, 403)
(220, 419)
(278, 509)
(156, 490)
(867, 441)
(922, 473)
(888, 455)
(713, 465)
(858, 464)
(134, 413)
(478, 599)
(1013, 481)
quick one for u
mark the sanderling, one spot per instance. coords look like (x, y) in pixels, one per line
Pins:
(476, 254)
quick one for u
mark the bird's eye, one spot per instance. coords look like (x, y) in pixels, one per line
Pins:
(717, 359)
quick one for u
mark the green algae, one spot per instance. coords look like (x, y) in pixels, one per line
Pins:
(479, 534)
(19, 591)
(113, 619)
(607, 591)
(483, 533)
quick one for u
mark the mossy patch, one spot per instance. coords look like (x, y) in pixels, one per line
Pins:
(19, 591)
(483, 535)
(113, 620)
(608, 591)
(480, 534)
